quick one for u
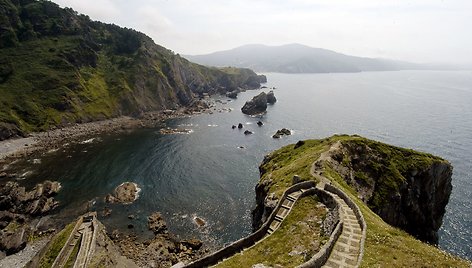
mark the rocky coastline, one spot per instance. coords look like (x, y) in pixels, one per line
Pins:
(25, 214)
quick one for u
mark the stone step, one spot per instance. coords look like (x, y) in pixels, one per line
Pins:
(291, 198)
(286, 207)
(279, 218)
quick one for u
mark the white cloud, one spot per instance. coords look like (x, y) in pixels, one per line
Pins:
(420, 30)
(103, 10)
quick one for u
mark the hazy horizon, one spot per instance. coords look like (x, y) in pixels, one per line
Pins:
(420, 31)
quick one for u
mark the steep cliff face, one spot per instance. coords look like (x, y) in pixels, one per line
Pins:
(405, 188)
(58, 67)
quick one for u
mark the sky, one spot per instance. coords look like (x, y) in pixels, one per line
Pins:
(422, 31)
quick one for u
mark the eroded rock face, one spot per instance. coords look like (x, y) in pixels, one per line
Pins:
(257, 105)
(17, 206)
(271, 97)
(415, 203)
(125, 193)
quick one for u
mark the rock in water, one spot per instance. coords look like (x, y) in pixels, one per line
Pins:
(125, 193)
(156, 223)
(271, 97)
(257, 105)
(232, 94)
(281, 132)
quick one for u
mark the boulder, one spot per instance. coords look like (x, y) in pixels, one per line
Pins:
(232, 94)
(299, 144)
(125, 193)
(271, 97)
(240, 125)
(233, 127)
(156, 223)
(257, 105)
(281, 132)
(259, 123)
(247, 132)
(13, 241)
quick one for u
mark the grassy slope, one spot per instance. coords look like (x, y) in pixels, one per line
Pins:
(56, 245)
(298, 232)
(385, 246)
(59, 67)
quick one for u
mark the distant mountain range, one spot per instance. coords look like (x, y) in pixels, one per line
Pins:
(297, 58)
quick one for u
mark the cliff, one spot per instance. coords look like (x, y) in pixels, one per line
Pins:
(407, 189)
(59, 67)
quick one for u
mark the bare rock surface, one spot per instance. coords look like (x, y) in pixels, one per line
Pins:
(125, 193)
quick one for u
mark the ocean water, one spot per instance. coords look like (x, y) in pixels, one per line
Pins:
(207, 174)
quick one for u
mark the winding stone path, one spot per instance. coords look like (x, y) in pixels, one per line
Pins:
(347, 248)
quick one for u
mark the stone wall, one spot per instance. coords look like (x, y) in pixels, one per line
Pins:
(359, 216)
(250, 240)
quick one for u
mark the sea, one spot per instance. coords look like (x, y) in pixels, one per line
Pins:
(211, 171)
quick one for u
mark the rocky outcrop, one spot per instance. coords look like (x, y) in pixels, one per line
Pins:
(232, 94)
(17, 206)
(281, 132)
(125, 193)
(13, 241)
(271, 97)
(265, 202)
(406, 189)
(156, 223)
(257, 105)
(38, 201)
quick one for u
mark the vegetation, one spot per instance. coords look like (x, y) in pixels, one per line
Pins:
(297, 239)
(58, 67)
(73, 256)
(55, 246)
(383, 167)
(385, 246)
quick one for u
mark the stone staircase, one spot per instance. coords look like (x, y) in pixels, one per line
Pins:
(347, 248)
(284, 210)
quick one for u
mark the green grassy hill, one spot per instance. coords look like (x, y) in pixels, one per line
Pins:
(385, 169)
(58, 67)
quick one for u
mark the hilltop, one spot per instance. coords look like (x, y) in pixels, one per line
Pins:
(58, 67)
(395, 189)
(297, 58)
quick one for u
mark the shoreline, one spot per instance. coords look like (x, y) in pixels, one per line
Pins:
(38, 142)
(12, 150)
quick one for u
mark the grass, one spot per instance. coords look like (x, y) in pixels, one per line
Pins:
(56, 245)
(299, 233)
(280, 166)
(385, 246)
(73, 256)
